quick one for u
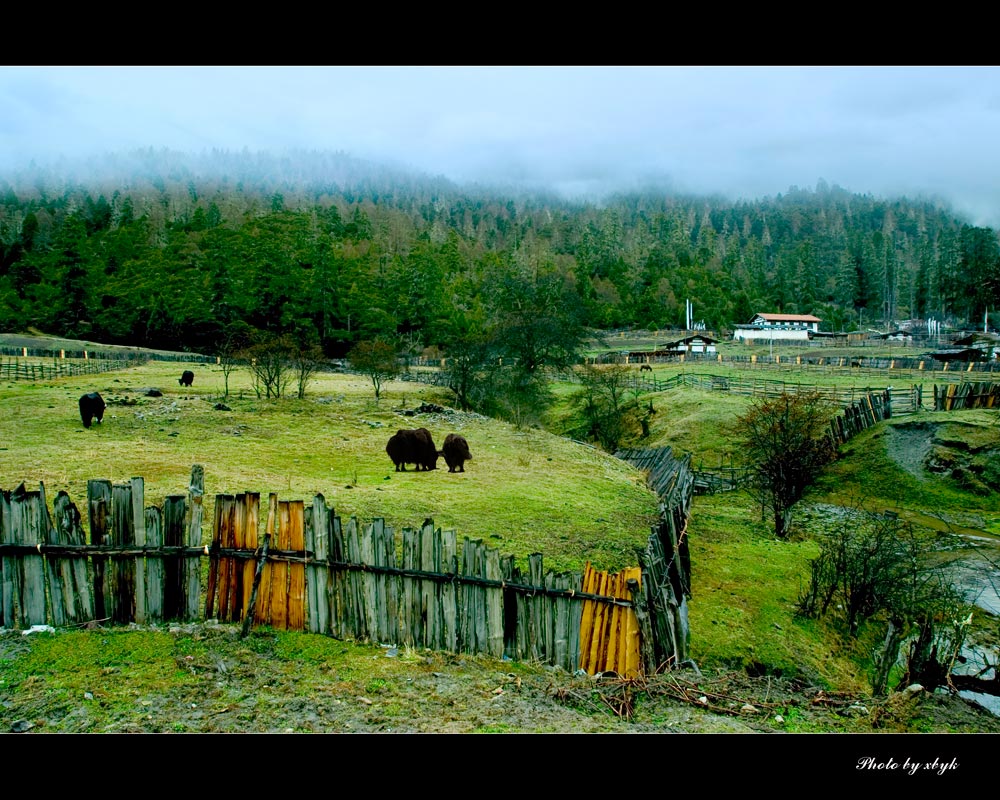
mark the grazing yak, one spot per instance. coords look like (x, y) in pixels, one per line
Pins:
(91, 408)
(455, 452)
(412, 446)
(186, 378)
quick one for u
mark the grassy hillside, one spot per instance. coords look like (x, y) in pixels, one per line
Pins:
(745, 583)
(523, 492)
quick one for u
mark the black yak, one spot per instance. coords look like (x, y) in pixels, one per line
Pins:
(412, 446)
(186, 378)
(91, 408)
(456, 452)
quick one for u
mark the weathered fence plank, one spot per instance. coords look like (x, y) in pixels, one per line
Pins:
(317, 541)
(446, 563)
(234, 611)
(356, 618)
(411, 626)
(218, 563)
(493, 599)
(262, 613)
(191, 572)
(296, 601)
(8, 565)
(122, 567)
(155, 586)
(174, 599)
(76, 586)
(98, 512)
(137, 515)
(279, 570)
(429, 542)
(29, 521)
(536, 610)
(251, 541)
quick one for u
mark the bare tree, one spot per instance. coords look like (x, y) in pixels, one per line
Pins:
(786, 442)
(873, 568)
(269, 363)
(306, 360)
(610, 416)
(234, 343)
(377, 359)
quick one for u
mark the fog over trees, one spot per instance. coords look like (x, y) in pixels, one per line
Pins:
(168, 250)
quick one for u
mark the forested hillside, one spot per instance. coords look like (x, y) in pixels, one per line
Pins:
(174, 251)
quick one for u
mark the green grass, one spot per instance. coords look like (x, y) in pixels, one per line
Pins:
(865, 471)
(745, 586)
(525, 491)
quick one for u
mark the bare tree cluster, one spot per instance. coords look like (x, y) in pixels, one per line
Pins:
(610, 410)
(874, 568)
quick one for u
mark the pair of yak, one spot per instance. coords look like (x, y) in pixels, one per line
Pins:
(415, 446)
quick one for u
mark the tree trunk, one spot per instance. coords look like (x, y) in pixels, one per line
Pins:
(886, 660)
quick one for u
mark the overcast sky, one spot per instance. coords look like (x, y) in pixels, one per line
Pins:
(744, 132)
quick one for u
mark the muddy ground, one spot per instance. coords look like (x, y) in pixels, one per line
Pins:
(246, 686)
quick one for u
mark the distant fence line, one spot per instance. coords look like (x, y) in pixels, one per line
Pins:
(311, 570)
(855, 364)
(34, 364)
(17, 369)
(904, 400)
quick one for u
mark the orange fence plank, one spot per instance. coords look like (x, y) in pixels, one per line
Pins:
(297, 571)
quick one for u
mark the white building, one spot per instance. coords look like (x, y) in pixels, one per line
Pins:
(777, 327)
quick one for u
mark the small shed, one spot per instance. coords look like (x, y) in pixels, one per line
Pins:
(692, 344)
(988, 343)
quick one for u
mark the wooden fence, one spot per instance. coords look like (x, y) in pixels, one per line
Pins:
(966, 395)
(856, 365)
(904, 400)
(104, 353)
(18, 369)
(310, 570)
(859, 416)
(666, 562)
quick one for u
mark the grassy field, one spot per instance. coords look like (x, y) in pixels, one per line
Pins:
(745, 583)
(525, 491)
